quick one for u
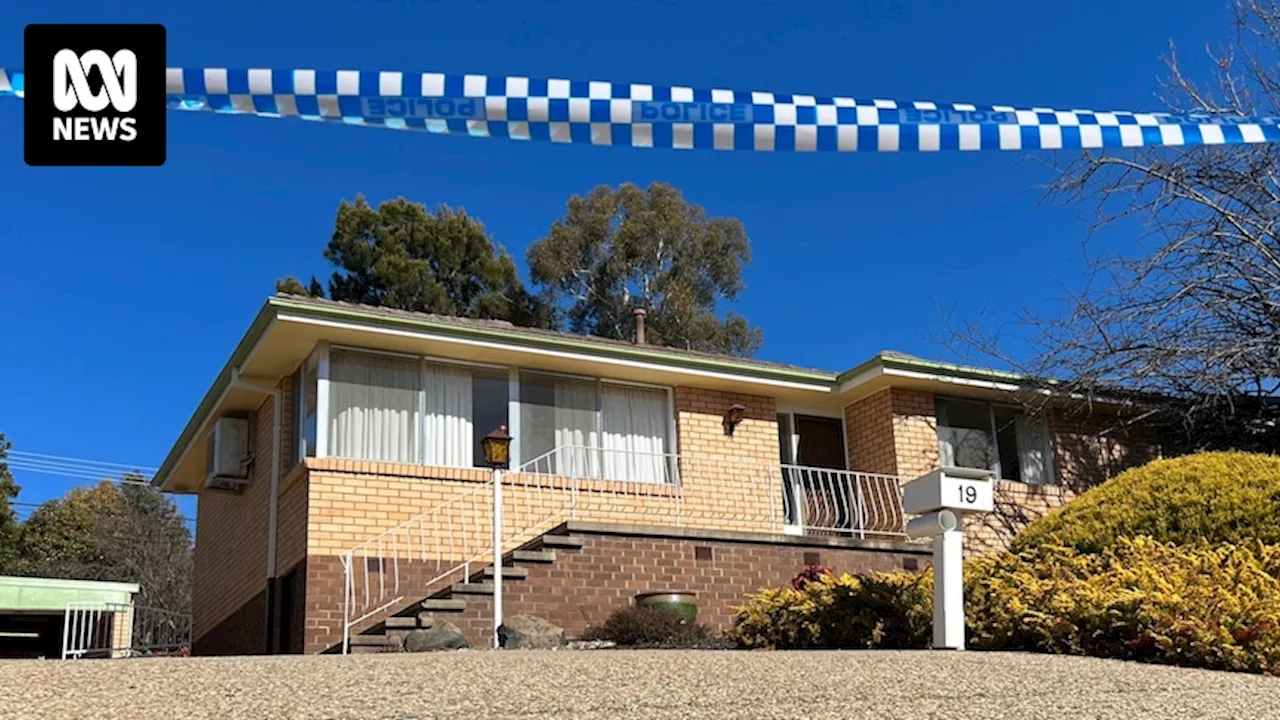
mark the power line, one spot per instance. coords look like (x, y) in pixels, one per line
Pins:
(31, 507)
(78, 468)
(107, 466)
(73, 472)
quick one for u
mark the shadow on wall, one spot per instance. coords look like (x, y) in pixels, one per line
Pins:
(1088, 450)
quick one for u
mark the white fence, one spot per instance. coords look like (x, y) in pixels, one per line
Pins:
(115, 630)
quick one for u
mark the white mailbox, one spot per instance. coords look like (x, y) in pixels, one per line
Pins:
(961, 490)
(941, 499)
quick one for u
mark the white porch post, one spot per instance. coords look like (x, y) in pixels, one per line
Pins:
(322, 400)
(497, 556)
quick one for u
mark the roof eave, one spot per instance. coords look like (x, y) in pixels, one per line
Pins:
(220, 384)
(672, 359)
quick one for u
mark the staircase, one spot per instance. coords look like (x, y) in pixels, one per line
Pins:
(467, 604)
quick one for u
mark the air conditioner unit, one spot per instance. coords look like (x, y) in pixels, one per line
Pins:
(229, 455)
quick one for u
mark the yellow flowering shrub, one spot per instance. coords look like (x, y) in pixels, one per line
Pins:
(1191, 605)
(1215, 607)
(1217, 497)
(877, 610)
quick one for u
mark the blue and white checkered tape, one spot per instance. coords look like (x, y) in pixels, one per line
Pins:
(637, 115)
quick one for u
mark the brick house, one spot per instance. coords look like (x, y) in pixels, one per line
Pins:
(342, 489)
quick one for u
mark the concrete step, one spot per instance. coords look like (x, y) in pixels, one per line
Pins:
(401, 622)
(508, 573)
(534, 556)
(443, 605)
(480, 588)
(569, 542)
(368, 649)
(369, 641)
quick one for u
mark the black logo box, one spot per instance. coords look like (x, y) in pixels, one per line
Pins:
(148, 146)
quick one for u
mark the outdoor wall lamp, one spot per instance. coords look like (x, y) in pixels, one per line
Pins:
(497, 448)
(733, 416)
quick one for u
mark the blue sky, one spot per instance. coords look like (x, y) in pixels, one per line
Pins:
(124, 290)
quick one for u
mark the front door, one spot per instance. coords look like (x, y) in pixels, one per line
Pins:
(809, 446)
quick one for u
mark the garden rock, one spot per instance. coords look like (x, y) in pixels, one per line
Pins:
(592, 645)
(442, 637)
(529, 632)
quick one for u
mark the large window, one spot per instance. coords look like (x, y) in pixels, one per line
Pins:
(392, 408)
(386, 407)
(589, 428)
(1001, 438)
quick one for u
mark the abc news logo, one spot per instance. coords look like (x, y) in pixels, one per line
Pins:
(71, 91)
(95, 95)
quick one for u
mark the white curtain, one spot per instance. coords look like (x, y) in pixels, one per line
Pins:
(374, 407)
(576, 435)
(448, 435)
(634, 433)
(1032, 454)
(964, 434)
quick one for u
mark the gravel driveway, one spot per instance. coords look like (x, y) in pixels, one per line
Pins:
(637, 684)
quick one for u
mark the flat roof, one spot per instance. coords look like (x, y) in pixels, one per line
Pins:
(50, 594)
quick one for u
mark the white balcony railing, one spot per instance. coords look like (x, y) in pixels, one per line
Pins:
(822, 501)
(577, 482)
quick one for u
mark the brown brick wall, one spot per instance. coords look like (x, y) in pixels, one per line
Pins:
(868, 426)
(893, 432)
(324, 614)
(1091, 447)
(700, 426)
(291, 520)
(230, 560)
(243, 632)
(1017, 504)
(582, 587)
(915, 432)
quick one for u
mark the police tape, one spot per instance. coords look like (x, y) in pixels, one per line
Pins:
(639, 115)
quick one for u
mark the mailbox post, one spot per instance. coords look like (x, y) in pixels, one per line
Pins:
(941, 499)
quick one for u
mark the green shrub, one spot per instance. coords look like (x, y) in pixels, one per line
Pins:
(877, 610)
(638, 626)
(1191, 605)
(1219, 497)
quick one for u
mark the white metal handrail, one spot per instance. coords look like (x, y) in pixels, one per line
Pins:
(112, 630)
(435, 544)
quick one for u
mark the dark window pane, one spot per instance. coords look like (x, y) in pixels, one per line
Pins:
(489, 397)
(1007, 442)
(964, 434)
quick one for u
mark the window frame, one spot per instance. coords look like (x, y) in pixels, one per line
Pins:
(1046, 439)
(300, 449)
(514, 405)
(792, 411)
(600, 382)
